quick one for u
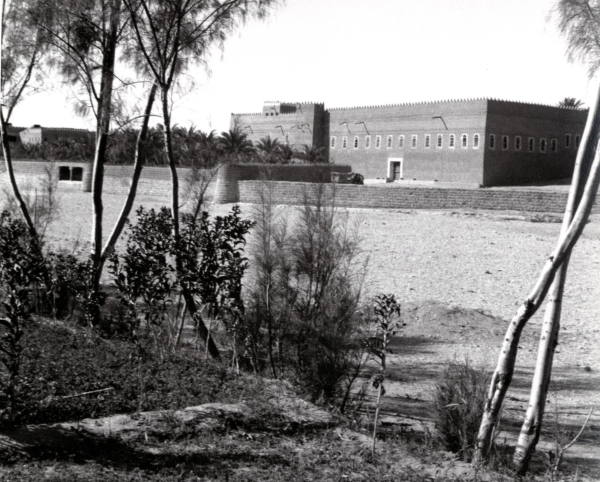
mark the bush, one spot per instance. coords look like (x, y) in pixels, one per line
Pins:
(303, 317)
(459, 400)
(21, 273)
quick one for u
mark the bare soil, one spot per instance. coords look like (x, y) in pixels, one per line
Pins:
(460, 276)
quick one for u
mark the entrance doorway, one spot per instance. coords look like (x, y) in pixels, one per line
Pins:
(395, 169)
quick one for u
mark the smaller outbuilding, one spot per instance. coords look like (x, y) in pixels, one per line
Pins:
(37, 134)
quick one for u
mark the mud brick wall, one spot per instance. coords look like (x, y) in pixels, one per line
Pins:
(409, 198)
(154, 181)
(226, 189)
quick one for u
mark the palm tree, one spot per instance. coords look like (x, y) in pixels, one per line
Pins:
(269, 150)
(286, 153)
(571, 102)
(235, 145)
(312, 154)
(210, 148)
(185, 144)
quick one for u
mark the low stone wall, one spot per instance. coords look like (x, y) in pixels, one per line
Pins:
(230, 175)
(408, 198)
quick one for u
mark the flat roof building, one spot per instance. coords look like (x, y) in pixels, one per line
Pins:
(37, 134)
(477, 141)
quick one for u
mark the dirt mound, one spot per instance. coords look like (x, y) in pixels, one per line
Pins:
(432, 319)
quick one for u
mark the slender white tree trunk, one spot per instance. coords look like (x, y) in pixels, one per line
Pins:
(532, 425)
(140, 160)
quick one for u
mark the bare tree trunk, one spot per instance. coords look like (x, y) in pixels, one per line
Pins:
(104, 117)
(376, 417)
(506, 361)
(532, 426)
(140, 160)
(11, 177)
(187, 296)
(530, 431)
(172, 167)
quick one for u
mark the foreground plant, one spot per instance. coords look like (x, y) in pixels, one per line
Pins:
(387, 318)
(213, 264)
(144, 272)
(21, 266)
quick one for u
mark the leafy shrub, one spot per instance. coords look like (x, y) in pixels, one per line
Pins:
(213, 259)
(145, 272)
(69, 288)
(209, 271)
(21, 270)
(459, 400)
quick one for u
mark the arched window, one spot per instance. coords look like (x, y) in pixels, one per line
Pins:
(390, 141)
(367, 142)
(531, 144)
(492, 141)
(427, 141)
(568, 140)
(542, 145)
(553, 145)
(452, 143)
(504, 143)
(332, 142)
(464, 141)
(517, 143)
(344, 142)
(440, 141)
(401, 142)
(378, 142)
(413, 141)
(356, 142)
(476, 141)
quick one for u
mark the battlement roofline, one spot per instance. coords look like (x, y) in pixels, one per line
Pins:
(66, 129)
(448, 101)
(292, 103)
(431, 102)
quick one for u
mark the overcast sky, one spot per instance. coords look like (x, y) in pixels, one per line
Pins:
(368, 52)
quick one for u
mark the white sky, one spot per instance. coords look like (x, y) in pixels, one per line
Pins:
(369, 52)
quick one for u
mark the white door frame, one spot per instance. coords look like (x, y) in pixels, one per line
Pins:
(390, 173)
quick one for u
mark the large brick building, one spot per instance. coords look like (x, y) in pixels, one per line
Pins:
(481, 141)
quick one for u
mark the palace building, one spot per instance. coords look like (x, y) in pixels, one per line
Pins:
(487, 142)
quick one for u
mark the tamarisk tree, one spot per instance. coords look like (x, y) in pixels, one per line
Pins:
(84, 37)
(170, 36)
(23, 48)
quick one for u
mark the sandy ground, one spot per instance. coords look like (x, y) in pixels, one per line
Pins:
(478, 267)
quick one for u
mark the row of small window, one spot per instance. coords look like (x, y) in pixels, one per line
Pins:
(531, 143)
(414, 141)
(464, 142)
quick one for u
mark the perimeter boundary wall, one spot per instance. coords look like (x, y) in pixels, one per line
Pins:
(353, 196)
